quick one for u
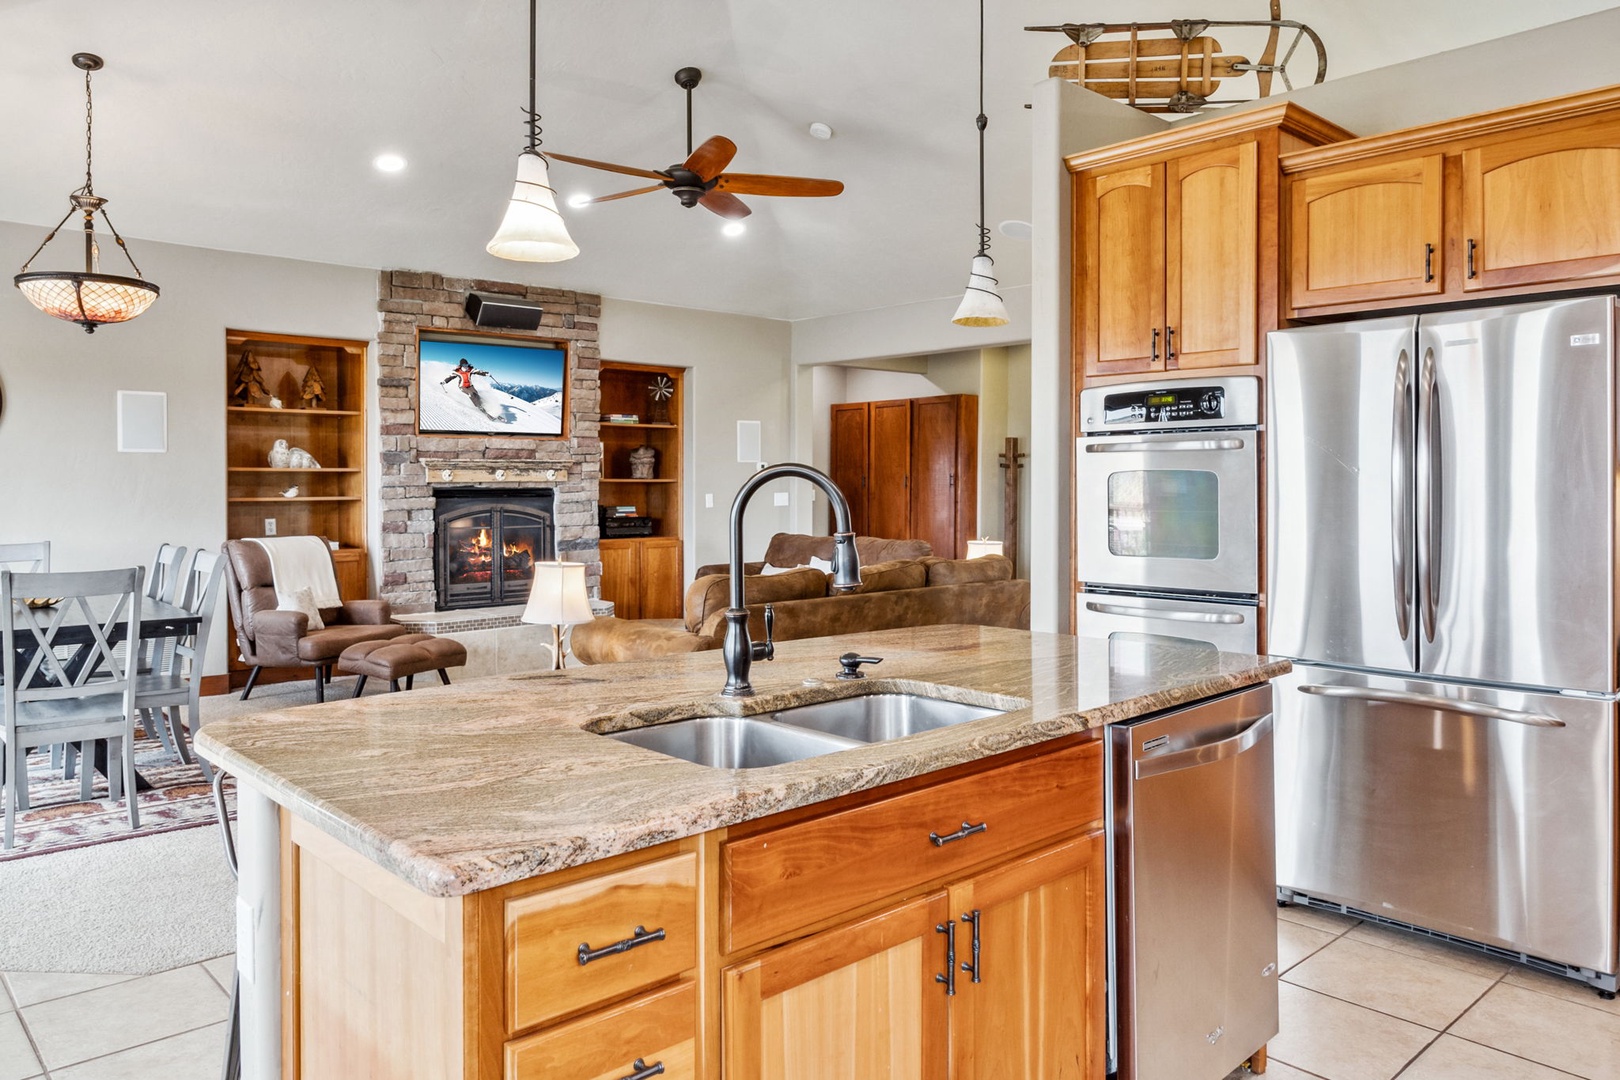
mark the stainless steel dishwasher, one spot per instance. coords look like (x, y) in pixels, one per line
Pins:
(1193, 943)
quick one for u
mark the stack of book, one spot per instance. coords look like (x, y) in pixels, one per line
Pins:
(620, 418)
(618, 511)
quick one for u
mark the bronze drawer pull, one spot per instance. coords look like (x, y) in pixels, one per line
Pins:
(640, 937)
(644, 1071)
(965, 830)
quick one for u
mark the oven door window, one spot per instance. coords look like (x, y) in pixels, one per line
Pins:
(1164, 514)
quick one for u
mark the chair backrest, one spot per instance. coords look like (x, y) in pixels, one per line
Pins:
(251, 588)
(200, 597)
(163, 580)
(103, 605)
(26, 558)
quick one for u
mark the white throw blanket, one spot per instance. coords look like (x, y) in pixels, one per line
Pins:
(301, 562)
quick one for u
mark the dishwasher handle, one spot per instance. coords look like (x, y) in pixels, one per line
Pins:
(1205, 754)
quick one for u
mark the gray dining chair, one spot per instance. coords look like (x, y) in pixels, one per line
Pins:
(161, 695)
(26, 558)
(58, 690)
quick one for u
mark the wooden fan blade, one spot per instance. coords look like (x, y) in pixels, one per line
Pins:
(754, 184)
(625, 194)
(711, 159)
(605, 166)
(725, 204)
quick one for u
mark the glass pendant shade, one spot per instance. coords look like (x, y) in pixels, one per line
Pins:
(533, 229)
(87, 299)
(981, 303)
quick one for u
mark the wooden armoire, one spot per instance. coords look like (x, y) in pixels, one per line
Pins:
(910, 468)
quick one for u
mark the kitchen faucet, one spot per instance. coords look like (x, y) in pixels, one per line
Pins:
(739, 650)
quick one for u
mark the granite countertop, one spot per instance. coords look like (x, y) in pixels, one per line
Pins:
(461, 788)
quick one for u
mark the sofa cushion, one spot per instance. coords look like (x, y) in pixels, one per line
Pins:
(797, 549)
(712, 594)
(967, 571)
(891, 575)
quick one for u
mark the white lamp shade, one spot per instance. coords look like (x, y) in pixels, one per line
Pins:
(977, 548)
(557, 597)
(533, 229)
(981, 304)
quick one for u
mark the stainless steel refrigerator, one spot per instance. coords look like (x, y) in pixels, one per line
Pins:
(1442, 566)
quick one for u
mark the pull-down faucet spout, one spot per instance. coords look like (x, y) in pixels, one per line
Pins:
(739, 650)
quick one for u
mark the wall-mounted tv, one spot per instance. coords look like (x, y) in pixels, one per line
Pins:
(484, 384)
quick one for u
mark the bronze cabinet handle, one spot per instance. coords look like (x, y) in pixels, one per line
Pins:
(1428, 262)
(644, 1071)
(1473, 271)
(1155, 344)
(964, 831)
(1170, 345)
(640, 937)
(949, 978)
(972, 967)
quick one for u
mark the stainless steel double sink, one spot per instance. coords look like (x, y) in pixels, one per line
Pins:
(802, 731)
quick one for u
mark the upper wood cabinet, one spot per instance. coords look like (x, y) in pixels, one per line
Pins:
(1176, 242)
(1366, 232)
(1516, 201)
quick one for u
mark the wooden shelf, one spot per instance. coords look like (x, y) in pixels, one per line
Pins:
(616, 424)
(291, 412)
(627, 480)
(294, 499)
(268, 469)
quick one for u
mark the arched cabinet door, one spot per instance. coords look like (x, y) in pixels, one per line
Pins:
(1542, 208)
(1211, 258)
(1121, 244)
(1366, 232)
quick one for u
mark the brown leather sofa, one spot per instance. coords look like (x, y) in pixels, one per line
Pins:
(267, 637)
(797, 549)
(894, 593)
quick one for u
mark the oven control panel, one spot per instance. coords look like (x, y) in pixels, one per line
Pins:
(1227, 402)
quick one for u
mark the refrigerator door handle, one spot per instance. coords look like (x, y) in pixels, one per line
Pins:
(1225, 618)
(1101, 446)
(1428, 496)
(1401, 495)
(1433, 701)
(1207, 753)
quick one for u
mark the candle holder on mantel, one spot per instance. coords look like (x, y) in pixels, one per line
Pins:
(660, 390)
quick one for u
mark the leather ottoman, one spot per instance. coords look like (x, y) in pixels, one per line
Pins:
(403, 657)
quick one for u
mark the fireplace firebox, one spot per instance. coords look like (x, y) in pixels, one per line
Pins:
(486, 543)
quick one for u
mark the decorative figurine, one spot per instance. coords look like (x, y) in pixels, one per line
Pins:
(660, 390)
(249, 380)
(290, 493)
(642, 459)
(313, 391)
(281, 457)
(275, 403)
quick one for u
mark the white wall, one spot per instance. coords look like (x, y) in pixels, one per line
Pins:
(61, 477)
(738, 369)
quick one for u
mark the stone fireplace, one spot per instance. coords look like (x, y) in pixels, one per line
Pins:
(417, 469)
(486, 542)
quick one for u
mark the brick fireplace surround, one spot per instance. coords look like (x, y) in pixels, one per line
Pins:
(411, 300)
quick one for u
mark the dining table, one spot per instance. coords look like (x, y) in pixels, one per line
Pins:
(158, 619)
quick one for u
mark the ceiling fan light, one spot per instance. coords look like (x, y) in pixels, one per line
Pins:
(981, 303)
(533, 229)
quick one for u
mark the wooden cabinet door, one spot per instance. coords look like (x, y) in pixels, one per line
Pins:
(1029, 1000)
(858, 1002)
(888, 511)
(1371, 232)
(620, 563)
(851, 424)
(1212, 258)
(1542, 208)
(1122, 244)
(944, 471)
(661, 594)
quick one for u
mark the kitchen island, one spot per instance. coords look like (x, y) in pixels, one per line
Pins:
(472, 882)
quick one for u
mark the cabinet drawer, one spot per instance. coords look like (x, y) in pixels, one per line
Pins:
(658, 1029)
(782, 879)
(545, 933)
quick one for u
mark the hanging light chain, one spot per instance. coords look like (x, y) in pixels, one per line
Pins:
(89, 129)
(532, 112)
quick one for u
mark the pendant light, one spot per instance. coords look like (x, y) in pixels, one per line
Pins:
(533, 229)
(981, 303)
(90, 298)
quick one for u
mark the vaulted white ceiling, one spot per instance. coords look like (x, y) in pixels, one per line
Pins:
(252, 126)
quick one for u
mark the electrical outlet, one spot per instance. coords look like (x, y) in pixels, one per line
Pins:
(781, 498)
(708, 501)
(269, 526)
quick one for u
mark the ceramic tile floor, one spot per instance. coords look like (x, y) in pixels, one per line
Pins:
(1358, 1003)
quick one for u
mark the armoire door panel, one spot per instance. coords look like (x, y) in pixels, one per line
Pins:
(934, 473)
(851, 433)
(889, 471)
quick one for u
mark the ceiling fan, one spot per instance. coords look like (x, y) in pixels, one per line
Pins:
(701, 179)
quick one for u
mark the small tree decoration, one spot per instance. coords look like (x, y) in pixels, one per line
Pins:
(660, 390)
(249, 380)
(314, 390)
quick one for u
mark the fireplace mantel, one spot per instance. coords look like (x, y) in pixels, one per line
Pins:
(438, 471)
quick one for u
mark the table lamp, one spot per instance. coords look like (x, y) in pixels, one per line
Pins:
(983, 546)
(557, 599)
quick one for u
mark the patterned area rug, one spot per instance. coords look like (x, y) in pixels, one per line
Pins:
(60, 821)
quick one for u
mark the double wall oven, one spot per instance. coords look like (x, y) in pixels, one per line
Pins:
(1167, 536)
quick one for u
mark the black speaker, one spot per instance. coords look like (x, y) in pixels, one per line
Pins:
(503, 312)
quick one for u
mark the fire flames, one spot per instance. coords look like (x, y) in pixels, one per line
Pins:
(472, 558)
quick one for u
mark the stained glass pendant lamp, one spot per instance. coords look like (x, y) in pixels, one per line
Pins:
(533, 229)
(90, 298)
(981, 303)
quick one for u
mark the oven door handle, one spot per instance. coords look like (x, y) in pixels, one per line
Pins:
(1207, 754)
(1433, 701)
(1224, 618)
(1137, 446)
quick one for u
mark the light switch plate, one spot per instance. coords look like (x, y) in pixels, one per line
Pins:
(781, 498)
(708, 501)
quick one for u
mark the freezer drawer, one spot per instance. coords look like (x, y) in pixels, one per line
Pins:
(1194, 888)
(1229, 627)
(1483, 813)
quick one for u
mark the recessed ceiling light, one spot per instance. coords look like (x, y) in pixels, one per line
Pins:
(579, 199)
(734, 228)
(821, 131)
(1017, 230)
(388, 162)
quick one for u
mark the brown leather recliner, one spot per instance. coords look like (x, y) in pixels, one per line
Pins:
(268, 637)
